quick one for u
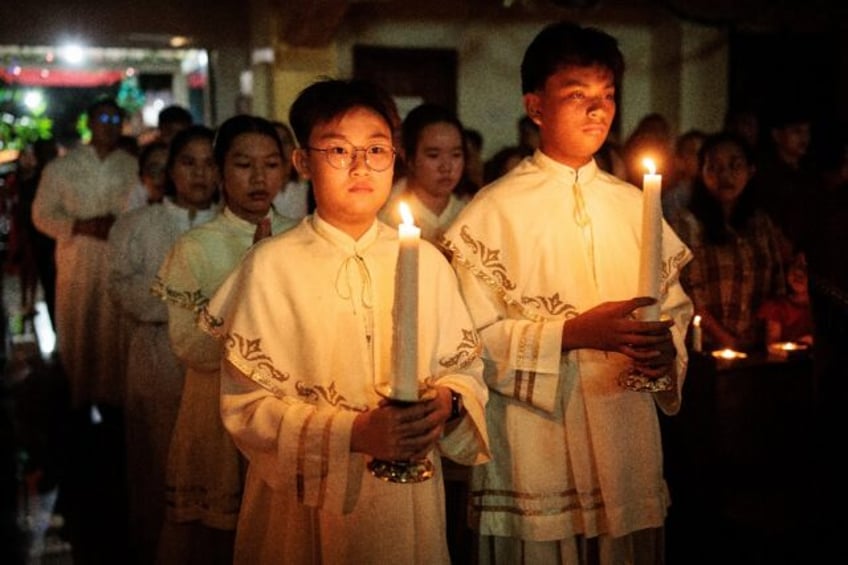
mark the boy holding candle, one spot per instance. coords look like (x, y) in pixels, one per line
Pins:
(303, 407)
(548, 261)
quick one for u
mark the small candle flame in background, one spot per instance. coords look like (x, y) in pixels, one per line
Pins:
(697, 336)
(728, 353)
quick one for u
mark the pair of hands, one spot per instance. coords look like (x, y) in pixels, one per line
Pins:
(97, 227)
(612, 326)
(394, 432)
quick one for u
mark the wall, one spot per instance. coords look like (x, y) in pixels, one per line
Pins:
(677, 70)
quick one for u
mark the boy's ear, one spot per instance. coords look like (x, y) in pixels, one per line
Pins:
(532, 105)
(300, 158)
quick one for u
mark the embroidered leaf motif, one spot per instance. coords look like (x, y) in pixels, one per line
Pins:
(489, 258)
(188, 299)
(553, 305)
(467, 351)
(250, 350)
(671, 266)
(315, 392)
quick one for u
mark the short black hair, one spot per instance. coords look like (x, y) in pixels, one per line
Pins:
(564, 44)
(180, 141)
(327, 99)
(175, 114)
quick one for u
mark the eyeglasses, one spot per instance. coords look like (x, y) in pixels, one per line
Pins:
(113, 119)
(378, 157)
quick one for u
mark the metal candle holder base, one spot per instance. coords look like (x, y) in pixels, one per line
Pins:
(637, 382)
(403, 471)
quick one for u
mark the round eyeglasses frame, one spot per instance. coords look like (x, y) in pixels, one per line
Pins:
(343, 155)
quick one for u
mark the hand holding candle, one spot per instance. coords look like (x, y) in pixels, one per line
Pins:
(404, 379)
(650, 259)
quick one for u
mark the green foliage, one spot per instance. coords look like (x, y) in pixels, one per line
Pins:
(19, 124)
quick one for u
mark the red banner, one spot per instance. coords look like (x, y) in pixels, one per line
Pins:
(80, 78)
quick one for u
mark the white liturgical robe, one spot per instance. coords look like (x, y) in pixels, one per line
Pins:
(572, 451)
(307, 327)
(204, 472)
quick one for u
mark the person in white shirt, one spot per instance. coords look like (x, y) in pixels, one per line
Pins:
(76, 203)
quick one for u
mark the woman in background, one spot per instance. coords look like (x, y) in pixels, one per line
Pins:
(737, 260)
(139, 242)
(434, 145)
(205, 471)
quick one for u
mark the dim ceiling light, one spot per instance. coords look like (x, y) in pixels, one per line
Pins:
(178, 41)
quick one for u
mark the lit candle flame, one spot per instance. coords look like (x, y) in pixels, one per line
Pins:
(696, 321)
(406, 214)
(649, 164)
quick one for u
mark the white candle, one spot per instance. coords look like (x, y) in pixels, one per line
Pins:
(650, 259)
(404, 383)
(697, 336)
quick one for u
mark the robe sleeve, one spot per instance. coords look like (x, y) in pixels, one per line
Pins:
(129, 279)
(48, 212)
(522, 356)
(457, 364)
(293, 445)
(179, 283)
(677, 305)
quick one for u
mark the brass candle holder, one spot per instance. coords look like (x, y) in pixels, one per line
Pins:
(403, 471)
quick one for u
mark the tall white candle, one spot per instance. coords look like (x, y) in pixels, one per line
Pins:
(697, 336)
(404, 383)
(650, 259)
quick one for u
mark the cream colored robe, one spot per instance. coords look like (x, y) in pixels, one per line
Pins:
(139, 242)
(307, 322)
(572, 452)
(81, 186)
(204, 470)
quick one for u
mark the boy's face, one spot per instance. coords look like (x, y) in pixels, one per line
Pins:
(348, 198)
(574, 111)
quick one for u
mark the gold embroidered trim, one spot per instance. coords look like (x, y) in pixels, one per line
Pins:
(247, 356)
(329, 394)
(518, 504)
(553, 304)
(325, 460)
(673, 265)
(468, 350)
(301, 458)
(189, 299)
(494, 274)
(209, 323)
(489, 258)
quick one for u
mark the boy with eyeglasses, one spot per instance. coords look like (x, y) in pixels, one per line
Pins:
(306, 322)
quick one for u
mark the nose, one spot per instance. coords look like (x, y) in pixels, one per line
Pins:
(358, 164)
(599, 105)
(257, 173)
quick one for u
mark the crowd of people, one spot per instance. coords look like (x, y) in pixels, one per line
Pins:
(226, 298)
